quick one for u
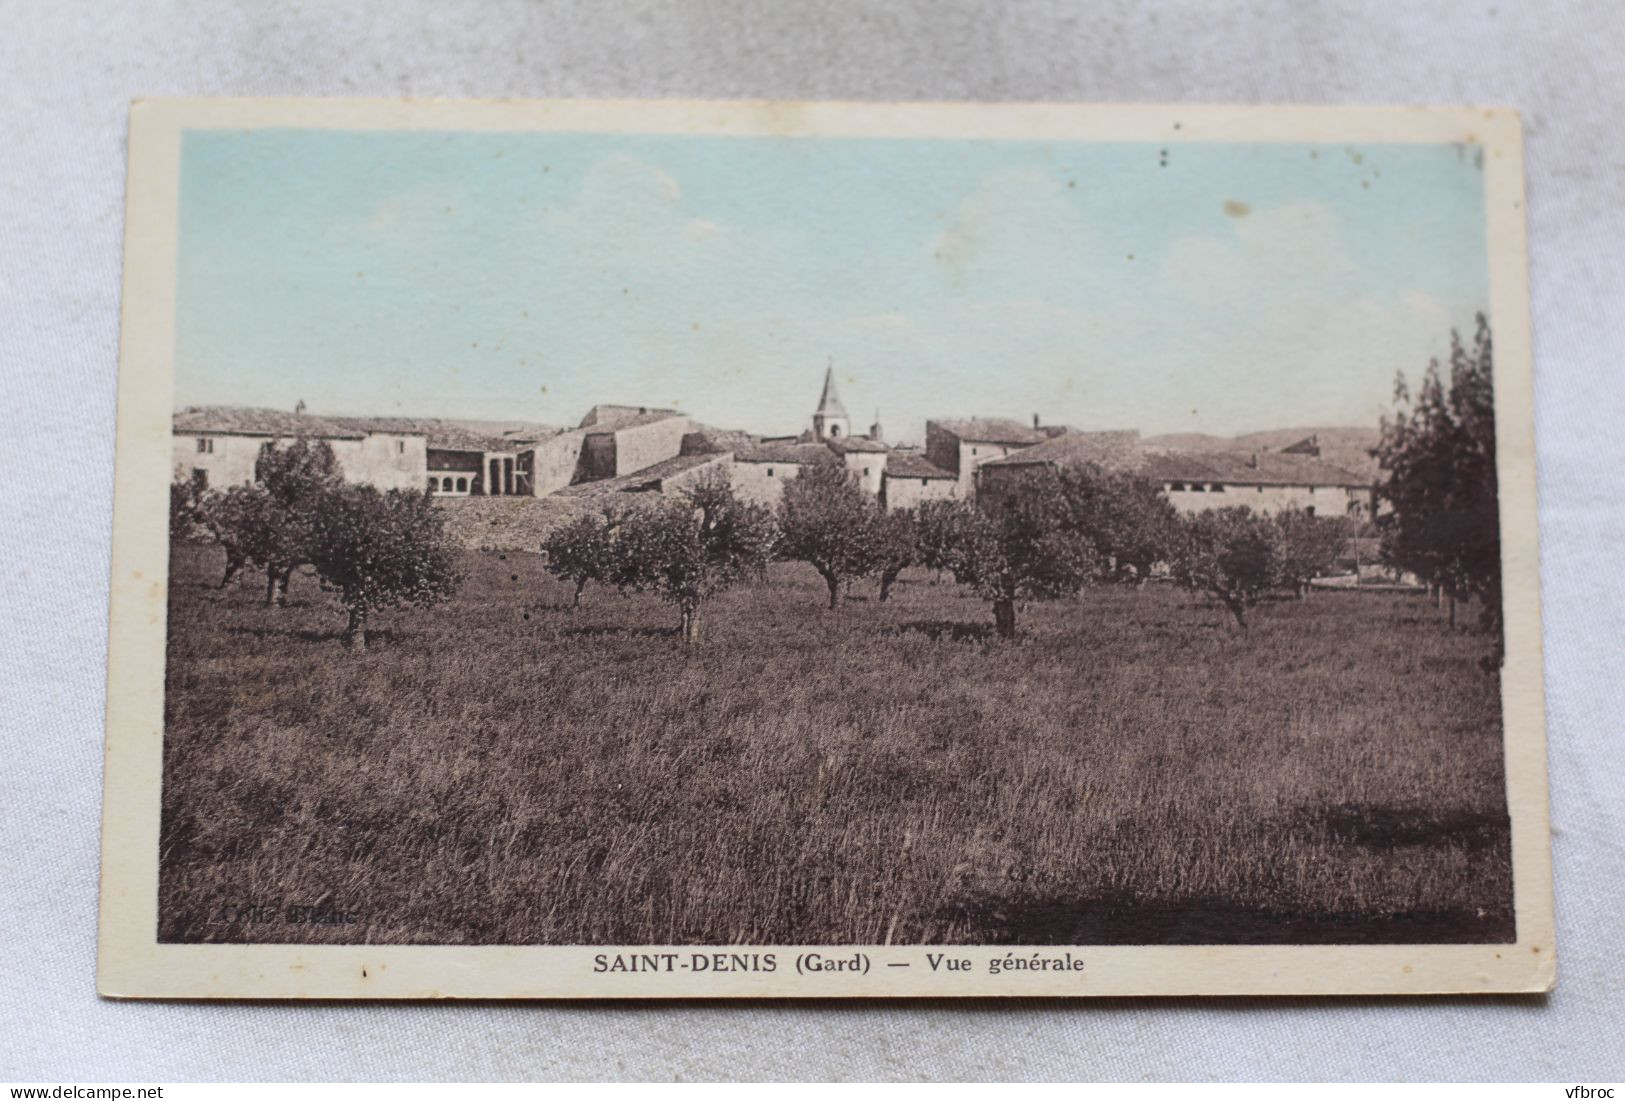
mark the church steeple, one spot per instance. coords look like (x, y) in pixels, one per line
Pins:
(831, 419)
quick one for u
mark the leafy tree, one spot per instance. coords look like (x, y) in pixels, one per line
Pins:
(381, 550)
(1438, 454)
(581, 551)
(935, 524)
(1129, 518)
(298, 472)
(1232, 555)
(187, 497)
(897, 545)
(1024, 544)
(1307, 546)
(693, 547)
(827, 521)
(241, 519)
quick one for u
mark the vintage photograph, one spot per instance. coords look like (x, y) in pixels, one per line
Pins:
(729, 527)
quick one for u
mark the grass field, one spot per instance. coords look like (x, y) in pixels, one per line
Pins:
(1131, 770)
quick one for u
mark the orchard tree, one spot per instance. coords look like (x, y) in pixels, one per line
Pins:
(1232, 555)
(381, 550)
(897, 545)
(1023, 544)
(1307, 546)
(1438, 457)
(693, 547)
(297, 473)
(241, 520)
(1130, 520)
(830, 523)
(581, 551)
(935, 525)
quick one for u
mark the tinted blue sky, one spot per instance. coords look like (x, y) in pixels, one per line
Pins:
(1222, 288)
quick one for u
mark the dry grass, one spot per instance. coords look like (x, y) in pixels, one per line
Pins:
(501, 770)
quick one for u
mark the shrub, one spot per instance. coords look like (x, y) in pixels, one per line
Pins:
(186, 506)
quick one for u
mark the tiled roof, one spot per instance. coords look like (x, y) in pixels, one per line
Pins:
(648, 477)
(855, 443)
(458, 435)
(636, 421)
(989, 430)
(1117, 450)
(245, 421)
(604, 415)
(909, 465)
(784, 453)
(441, 435)
(1241, 468)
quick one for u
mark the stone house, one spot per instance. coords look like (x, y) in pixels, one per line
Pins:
(760, 471)
(960, 446)
(1111, 450)
(224, 442)
(613, 447)
(911, 480)
(1193, 481)
(1265, 481)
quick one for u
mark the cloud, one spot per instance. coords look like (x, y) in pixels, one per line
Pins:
(630, 214)
(1281, 253)
(1020, 226)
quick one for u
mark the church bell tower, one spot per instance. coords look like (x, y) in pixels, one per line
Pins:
(831, 421)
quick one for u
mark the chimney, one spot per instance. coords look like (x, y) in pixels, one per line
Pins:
(1035, 422)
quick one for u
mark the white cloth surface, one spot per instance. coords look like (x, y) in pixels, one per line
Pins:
(68, 69)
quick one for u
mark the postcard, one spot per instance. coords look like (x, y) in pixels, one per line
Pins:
(613, 549)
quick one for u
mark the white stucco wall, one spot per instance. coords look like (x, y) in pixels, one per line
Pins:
(1325, 500)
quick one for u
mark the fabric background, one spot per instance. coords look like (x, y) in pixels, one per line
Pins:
(67, 73)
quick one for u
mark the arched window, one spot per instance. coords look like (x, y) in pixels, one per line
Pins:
(434, 484)
(445, 484)
(462, 485)
(834, 430)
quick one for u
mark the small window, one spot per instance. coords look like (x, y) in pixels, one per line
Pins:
(924, 482)
(770, 472)
(1218, 489)
(205, 447)
(446, 484)
(1198, 487)
(867, 472)
(1176, 487)
(1310, 511)
(973, 451)
(1311, 491)
(434, 484)
(1261, 489)
(202, 477)
(400, 447)
(462, 485)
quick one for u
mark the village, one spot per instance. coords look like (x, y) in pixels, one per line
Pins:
(630, 449)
